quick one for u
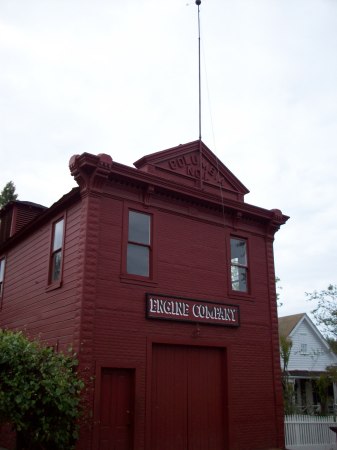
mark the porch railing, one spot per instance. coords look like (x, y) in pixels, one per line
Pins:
(310, 431)
(314, 409)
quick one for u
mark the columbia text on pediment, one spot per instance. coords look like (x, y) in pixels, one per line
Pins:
(183, 165)
(189, 165)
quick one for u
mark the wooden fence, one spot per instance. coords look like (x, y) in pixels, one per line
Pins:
(310, 432)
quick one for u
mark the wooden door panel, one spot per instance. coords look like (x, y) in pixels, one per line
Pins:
(187, 398)
(169, 391)
(116, 409)
(206, 399)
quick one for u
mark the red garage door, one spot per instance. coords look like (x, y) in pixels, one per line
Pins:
(188, 398)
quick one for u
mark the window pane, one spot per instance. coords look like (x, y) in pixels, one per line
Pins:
(138, 259)
(2, 273)
(58, 235)
(238, 252)
(239, 278)
(2, 269)
(56, 269)
(304, 348)
(139, 227)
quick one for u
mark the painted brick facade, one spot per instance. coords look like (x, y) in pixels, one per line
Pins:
(100, 309)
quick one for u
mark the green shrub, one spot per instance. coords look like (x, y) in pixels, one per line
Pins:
(40, 393)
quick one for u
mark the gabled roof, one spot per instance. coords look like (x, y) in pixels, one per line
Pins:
(15, 215)
(10, 204)
(289, 324)
(318, 354)
(194, 164)
(43, 216)
(286, 324)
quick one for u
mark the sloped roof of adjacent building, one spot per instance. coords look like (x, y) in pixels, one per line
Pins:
(289, 326)
(315, 356)
(286, 324)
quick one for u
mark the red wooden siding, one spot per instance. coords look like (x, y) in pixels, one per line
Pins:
(27, 303)
(188, 398)
(195, 386)
(192, 260)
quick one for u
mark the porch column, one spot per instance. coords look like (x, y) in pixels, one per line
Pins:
(334, 385)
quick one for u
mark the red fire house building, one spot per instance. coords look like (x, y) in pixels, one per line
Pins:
(162, 279)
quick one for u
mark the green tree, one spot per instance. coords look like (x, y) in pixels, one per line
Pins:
(322, 385)
(325, 316)
(40, 393)
(332, 344)
(278, 289)
(286, 345)
(325, 312)
(8, 194)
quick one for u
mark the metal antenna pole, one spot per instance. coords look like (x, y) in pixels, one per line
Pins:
(198, 3)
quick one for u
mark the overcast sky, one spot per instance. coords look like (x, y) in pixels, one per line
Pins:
(120, 77)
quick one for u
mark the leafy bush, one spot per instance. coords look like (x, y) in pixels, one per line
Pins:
(40, 393)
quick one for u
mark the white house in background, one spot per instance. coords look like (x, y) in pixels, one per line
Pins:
(309, 357)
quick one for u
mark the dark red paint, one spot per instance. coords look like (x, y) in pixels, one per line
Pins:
(208, 380)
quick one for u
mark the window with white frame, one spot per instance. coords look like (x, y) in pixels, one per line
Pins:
(139, 244)
(239, 265)
(304, 349)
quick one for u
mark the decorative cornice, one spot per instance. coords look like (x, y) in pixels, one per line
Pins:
(90, 171)
(148, 193)
(277, 219)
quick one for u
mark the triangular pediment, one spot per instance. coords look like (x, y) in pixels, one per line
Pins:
(195, 165)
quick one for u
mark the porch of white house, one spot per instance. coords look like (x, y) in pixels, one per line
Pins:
(306, 397)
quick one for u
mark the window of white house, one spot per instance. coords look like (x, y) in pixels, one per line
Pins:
(139, 244)
(239, 267)
(2, 274)
(304, 349)
(56, 251)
